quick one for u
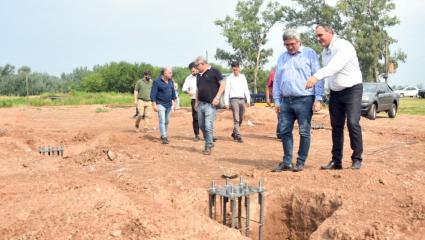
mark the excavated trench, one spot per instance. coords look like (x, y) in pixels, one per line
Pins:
(298, 214)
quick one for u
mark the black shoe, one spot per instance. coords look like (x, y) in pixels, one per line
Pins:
(282, 167)
(164, 140)
(279, 136)
(238, 139)
(214, 139)
(331, 166)
(207, 151)
(356, 164)
(233, 135)
(298, 167)
(196, 138)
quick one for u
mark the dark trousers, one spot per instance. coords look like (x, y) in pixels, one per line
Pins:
(346, 104)
(195, 123)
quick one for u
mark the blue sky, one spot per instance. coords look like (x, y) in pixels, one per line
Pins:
(56, 36)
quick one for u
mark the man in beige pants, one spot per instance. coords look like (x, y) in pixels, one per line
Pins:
(142, 98)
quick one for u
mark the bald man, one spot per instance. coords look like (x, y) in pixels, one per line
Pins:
(163, 98)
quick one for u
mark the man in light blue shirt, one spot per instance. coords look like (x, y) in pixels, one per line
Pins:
(292, 100)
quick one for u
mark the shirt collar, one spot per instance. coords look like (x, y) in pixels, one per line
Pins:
(209, 67)
(300, 50)
(331, 45)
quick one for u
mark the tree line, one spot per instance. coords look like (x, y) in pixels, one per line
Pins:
(109, 77)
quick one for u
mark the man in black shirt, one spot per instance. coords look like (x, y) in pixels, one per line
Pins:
(210, 86)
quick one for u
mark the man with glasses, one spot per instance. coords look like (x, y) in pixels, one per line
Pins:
(210, 87)
(341, 68)
(292, 100)
(236, 91)
(163, 98)
(142, 99)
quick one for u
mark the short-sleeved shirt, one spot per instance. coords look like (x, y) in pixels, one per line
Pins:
(271, 78)
(143, 88)
(163, 92)
(208, 84)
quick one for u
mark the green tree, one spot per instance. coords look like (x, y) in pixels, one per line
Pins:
(25, 70)
(247, 34)
(362, 22)
(7, 70)
(367, 25)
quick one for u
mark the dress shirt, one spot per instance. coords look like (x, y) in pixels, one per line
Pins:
(236, 87)
(189, 85)
(341, 65)
(292, 72)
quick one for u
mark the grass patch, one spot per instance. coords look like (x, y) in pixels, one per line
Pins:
(101, 110)
(77, 98)
(413, 106)
(185, 100)
(72, 98)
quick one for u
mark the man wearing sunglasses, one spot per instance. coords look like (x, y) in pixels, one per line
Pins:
(341, 68)
(293, 101)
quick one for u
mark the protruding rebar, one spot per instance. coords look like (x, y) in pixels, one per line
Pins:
(239, 212)
(261, 201)
(247, 208)
(224, 210)
(233, 212)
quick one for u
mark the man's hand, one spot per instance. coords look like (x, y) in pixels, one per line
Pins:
(310, 82)
(277, 109)
(216, 101)
(268, 102)
(155, 108)
(317, 106)
(227, 107)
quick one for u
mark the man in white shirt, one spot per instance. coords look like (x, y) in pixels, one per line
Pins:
(189, 87)
(341, 68)
(235, 92)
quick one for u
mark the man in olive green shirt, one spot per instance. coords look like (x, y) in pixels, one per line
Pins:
(142, 98)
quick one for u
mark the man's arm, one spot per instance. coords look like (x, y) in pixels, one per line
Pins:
(339, 60)
(227, 93)
(246, 90)
(276, 86)
(220, 91)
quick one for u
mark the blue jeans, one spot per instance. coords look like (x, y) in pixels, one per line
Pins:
(164, 119)
(206, 117)
(300, 109)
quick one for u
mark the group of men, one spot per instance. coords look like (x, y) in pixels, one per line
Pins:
(297, 87)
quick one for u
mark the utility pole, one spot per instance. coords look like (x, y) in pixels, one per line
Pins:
(26, 83)
(386, 60)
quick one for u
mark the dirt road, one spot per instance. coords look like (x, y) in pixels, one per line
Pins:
(146, 190)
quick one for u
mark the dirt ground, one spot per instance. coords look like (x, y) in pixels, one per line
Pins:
(146, 190)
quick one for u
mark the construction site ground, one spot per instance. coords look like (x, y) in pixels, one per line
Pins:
(115, 183)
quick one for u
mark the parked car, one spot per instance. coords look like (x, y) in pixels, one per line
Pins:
(408, 92)
(379, 97)
(421, 93)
